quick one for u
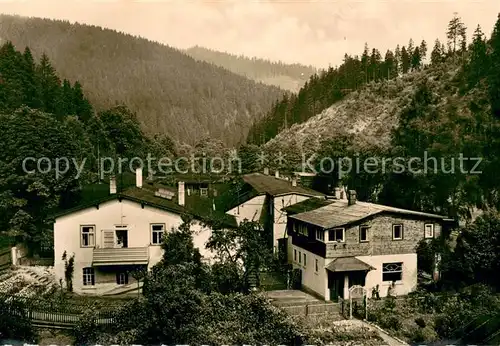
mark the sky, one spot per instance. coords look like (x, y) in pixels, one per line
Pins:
(315, 33)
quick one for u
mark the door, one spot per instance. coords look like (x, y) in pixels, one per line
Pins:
(336, 286)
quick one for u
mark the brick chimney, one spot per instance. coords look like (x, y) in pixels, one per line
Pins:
(351, 197)
(180, 193)
(138, 177)
(112, 185)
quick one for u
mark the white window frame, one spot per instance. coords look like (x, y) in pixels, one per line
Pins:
(88, 278)
(336, 230)
(394, 231)
(90, 235)
(367, 228)
(157, 231)
(392, 267)
(426, 235)
(320, 235)
(300, 257)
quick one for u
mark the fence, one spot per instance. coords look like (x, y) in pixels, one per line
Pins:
(46, 262)
(53, 313)
(312, 309)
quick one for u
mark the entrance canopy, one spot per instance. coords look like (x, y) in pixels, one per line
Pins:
(348, 264)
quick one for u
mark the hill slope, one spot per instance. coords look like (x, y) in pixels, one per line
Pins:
(170, 91)
(287, 76)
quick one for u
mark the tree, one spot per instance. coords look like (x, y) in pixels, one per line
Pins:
(456, 34)
(405, 60)
(476, 257)
(29, 194)
(416, 59)
(479, 63)
(493, 76)
(423, 50)
(69, 267)
(437, 53)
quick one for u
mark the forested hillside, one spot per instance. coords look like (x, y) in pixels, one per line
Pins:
(287, 76)
(171, 92)
(445, 110)
(332, 85)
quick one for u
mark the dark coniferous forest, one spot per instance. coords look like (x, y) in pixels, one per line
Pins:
(170, 91)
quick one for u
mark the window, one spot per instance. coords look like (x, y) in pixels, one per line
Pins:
(303, 230)
(305, 260)
(88, 276)
(87, 236)
(300, 257)
(203, 191)
(295, 255)
(316, 265)
(429, 230)
(392, 271)
(336, 235)
(320, 235)
(157, 233)
(397, 232)
(122, 278)
(363, 233)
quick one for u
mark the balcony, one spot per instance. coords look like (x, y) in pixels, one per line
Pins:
(120, 256)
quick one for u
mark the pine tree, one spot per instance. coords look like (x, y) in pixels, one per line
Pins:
(423, 50)
(478, 65)
(416, 59)
(365, 60)
(397, 60)
(49, 85)
(410, 48)
(31, 87)
(83, 108)
(405, 60)
(456, 34)
(437, 53)
(493, 75)
(389, 66)
(374, 67)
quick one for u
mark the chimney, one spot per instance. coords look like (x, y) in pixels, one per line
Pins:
(180, 193)
(266, 171)
(294, 181)
(351, 197)
(112, 185)
(277, 174)
(138, 177)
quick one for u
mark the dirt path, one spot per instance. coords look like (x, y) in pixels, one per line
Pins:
(389, 340)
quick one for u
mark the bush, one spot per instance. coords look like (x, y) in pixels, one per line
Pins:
(420, 322)
(14, 324)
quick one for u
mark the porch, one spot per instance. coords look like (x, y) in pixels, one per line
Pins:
(342, 274)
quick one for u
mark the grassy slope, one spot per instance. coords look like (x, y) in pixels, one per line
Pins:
(170, 91)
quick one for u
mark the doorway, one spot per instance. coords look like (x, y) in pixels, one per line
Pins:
(122, 238)
(336, 285)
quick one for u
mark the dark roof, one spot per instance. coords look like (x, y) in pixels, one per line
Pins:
(346, 264)
(146, 196)
(275, 186)
(335, 213)
(307, 205)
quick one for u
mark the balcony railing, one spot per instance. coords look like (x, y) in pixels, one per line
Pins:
(120, 256)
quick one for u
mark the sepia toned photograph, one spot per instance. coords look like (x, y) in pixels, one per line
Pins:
(250, 172)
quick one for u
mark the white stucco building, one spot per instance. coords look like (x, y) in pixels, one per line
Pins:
(264, 198)
(118, 233)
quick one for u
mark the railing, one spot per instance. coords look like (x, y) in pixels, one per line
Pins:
(117, 256)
